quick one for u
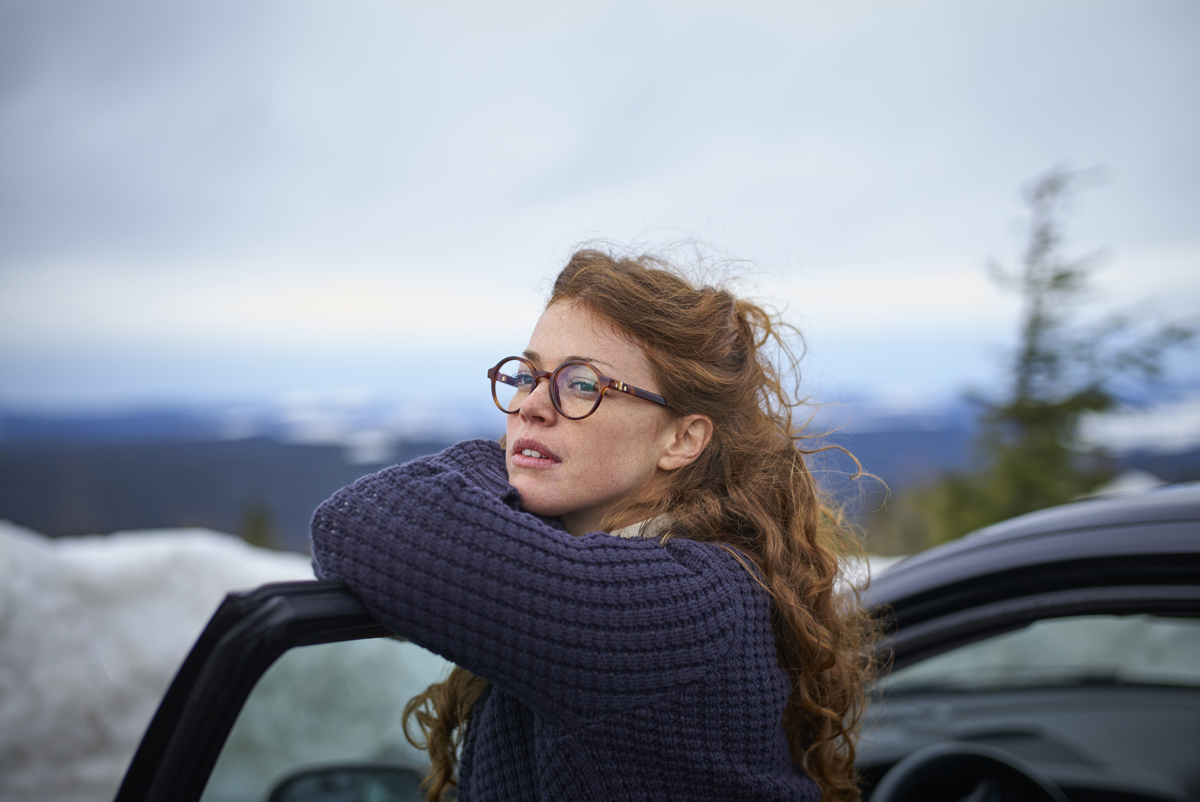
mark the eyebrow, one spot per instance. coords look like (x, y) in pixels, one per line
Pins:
(532, 356)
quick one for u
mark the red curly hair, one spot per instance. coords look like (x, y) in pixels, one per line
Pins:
(751, 492)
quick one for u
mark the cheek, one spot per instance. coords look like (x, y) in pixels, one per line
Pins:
(631, 448)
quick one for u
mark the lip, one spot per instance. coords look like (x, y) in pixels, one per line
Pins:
(522, 461)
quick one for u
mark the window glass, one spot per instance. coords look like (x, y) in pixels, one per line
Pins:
(1095, 649)
(324, 706)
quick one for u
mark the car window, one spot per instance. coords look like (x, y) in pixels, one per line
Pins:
(1095, 649)
(321, 707)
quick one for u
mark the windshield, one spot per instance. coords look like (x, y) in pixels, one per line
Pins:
(1095, 649)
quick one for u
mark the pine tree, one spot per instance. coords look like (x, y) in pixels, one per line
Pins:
(1028, 444)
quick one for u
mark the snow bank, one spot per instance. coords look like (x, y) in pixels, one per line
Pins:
(92, 630)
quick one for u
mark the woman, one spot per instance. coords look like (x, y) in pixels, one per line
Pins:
(638, 586)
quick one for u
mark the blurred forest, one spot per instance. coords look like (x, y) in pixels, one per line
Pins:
(1026, 454)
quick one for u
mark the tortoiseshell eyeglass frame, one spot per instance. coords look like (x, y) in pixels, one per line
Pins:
(551, 376)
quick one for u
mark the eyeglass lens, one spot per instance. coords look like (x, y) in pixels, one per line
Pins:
(575, 393)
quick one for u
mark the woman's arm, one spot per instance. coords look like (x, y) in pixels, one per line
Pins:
(438, 550)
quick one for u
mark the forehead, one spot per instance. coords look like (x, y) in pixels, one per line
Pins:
(570, 330)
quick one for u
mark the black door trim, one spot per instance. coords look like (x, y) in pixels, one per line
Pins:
(248, 632)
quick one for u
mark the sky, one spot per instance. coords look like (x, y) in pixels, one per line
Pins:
(216, 202)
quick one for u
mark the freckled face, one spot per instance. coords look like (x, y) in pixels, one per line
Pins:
(601, 460)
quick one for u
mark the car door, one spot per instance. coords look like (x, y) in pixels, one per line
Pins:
(291, 688)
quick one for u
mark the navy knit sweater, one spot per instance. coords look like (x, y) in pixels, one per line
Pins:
(621, 669)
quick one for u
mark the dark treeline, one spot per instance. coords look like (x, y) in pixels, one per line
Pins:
(259, 488)
(266, 491)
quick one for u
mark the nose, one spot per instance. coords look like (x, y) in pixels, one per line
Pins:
(538, 405)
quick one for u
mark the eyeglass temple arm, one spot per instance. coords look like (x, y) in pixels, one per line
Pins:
(637, 391)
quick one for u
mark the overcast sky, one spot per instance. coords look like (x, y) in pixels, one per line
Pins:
(217, 201)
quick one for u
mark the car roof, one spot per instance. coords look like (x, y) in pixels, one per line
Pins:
(1160, 521)
(1165, 503)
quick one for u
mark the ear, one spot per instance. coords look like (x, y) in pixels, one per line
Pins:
(685, 441)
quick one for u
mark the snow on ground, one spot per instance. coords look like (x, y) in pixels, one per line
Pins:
(92, 630)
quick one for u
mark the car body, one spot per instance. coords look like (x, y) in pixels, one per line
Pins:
(1068, 638)
(962, 701)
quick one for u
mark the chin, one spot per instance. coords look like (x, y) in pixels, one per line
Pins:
(530, 498)
(531, 501)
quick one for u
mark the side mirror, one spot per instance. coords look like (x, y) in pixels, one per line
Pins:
(350, 782)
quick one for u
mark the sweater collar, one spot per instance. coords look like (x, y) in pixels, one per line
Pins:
(652, 527)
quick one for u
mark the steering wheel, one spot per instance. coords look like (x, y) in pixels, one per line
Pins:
(965, 772)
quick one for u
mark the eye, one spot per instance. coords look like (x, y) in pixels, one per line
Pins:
(581, 385)
(578, 381)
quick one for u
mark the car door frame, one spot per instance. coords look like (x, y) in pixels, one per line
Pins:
(246, 635)
(978, 587)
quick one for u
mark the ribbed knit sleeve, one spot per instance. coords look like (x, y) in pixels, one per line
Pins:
(440, 552)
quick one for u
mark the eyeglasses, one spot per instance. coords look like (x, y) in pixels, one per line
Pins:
(576, 388)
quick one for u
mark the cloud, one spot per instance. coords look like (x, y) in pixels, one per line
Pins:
(259, 305)
(318, 174)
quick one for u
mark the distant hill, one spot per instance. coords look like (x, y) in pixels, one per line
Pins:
(89, 475)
